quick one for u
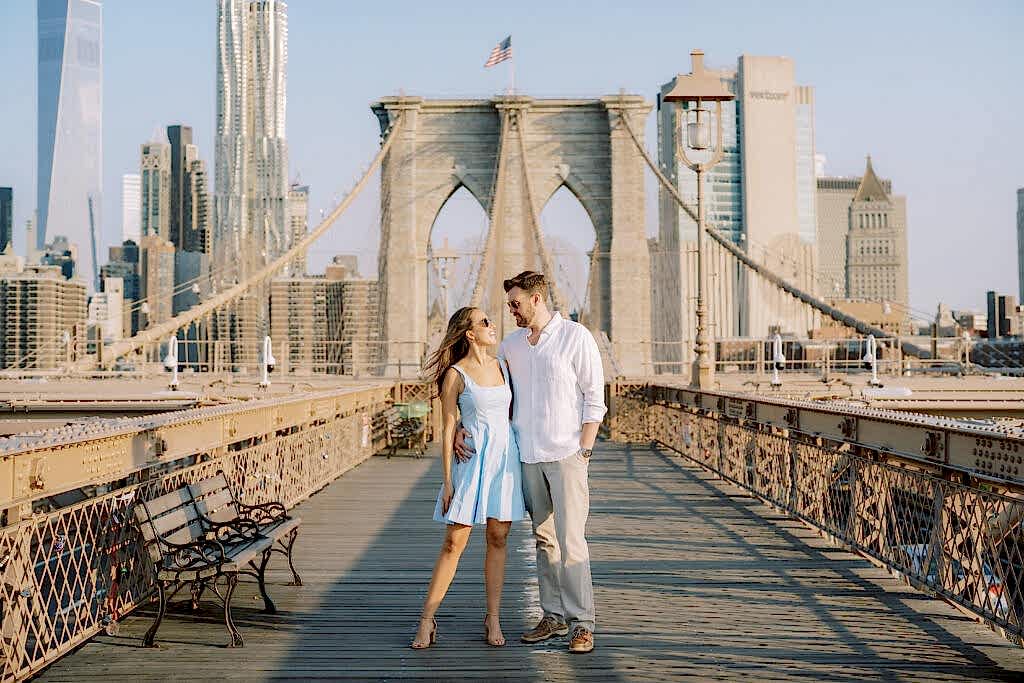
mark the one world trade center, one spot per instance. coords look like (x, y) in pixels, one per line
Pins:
(70, 128)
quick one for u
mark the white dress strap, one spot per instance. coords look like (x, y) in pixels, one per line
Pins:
(466, 379)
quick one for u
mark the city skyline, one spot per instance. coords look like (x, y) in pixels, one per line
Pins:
(854, 65)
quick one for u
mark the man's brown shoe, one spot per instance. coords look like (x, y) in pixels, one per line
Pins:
(582, 641)
(548, 627)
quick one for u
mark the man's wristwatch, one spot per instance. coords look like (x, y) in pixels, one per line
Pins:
(586, 452)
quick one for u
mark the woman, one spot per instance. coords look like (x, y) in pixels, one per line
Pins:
(486, 489)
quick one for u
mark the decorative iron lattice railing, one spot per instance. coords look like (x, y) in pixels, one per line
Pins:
(937, 515)
(71, 570)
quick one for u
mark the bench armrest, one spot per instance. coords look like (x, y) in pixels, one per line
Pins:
(236, 530)
(265, 513)
(198, 555)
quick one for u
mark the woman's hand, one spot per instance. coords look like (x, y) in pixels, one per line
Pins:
(446, 499)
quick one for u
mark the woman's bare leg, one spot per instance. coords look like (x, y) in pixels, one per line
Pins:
(494, 576)
(455, 538)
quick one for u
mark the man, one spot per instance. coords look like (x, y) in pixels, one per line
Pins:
(558, 389)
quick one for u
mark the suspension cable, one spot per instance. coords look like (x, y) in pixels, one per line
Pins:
(762, 271)
(488, 256)
(158, 332)
(556, 295)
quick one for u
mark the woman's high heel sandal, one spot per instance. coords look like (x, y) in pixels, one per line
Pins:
(494, 642)
(420, 645)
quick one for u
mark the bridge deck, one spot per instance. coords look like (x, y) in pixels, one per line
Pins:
(691, 579)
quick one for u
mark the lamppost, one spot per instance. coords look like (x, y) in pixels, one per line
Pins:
(690, 92)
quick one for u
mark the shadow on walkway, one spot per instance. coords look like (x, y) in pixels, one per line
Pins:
(691, 579)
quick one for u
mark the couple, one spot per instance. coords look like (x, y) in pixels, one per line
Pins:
(548, 378)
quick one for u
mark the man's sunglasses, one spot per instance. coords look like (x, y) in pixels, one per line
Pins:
(514, 305)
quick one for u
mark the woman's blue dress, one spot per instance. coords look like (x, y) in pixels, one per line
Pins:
(489, 484)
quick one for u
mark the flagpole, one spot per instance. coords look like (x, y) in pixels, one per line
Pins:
(512, 72)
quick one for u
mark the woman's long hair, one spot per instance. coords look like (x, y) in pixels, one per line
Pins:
(454, 346)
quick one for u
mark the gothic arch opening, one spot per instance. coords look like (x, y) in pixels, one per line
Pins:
(454, 245)
(443, 143)
(571, 238)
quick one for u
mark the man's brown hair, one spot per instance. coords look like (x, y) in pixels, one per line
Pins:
(530, 282)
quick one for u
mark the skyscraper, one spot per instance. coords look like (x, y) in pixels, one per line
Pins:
(70, 130)
(806, 165)
(6, 217)
(38, 306)
(131, 207)
(1020, 242)
(298, 223)
(835, 195)
(251, 161)
(876, 243)
(156, 278)
(251, 154)
(155, 169)
(123, 264)
(197, 213)
(182, 154)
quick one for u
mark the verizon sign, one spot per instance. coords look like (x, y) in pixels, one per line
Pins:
(768, 95)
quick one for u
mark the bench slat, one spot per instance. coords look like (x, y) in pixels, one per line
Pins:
(167, 502)
(214, 483)
(220, 506)
(186, 534)
(174, 520)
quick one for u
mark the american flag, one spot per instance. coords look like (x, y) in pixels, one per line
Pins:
(500, 53)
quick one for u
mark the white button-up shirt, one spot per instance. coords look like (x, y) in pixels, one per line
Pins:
(557, 386)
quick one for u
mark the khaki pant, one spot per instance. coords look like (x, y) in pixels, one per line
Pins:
(558, 498)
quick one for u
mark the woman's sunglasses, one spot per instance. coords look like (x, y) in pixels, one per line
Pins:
(486, 322)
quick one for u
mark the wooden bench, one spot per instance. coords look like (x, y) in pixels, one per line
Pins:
(199, 533)
(407, 424)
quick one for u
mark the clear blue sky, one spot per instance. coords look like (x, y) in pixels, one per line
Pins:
(932, 90)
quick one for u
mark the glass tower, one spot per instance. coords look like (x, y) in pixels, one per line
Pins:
(251, 154)
(806, 176)
(70, 127)
(6, 216)
(131, 207)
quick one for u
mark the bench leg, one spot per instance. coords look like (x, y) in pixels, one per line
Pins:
(292, 535)
(198, 588)
(236, 637)
(268, 604)
(147, 640)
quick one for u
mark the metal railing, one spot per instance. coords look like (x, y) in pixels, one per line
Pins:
(938, 502)
(353, 358)
(743, 355)
(70, 554)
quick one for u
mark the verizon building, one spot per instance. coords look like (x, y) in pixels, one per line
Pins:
(761, 196)
(779, 187)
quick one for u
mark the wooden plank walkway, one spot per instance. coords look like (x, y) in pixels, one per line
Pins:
(692, 580)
